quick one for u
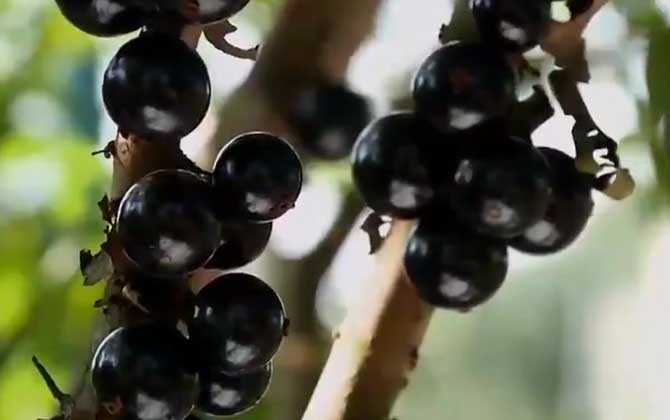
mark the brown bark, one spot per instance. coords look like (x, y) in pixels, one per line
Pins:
(377, 346)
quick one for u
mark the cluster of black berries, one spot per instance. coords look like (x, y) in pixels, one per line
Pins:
(173, 222)
(476, 185)
(116, 17)
(150, 371)
(169, 224)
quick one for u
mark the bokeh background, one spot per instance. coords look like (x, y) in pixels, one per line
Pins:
(581, 335)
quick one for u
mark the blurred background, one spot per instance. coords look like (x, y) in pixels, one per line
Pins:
(581, 335)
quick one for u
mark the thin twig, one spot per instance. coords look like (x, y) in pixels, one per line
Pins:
(67, 403)
(216, 35)
(566, 43)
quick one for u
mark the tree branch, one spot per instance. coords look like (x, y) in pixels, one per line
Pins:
(566, 43)
(377, 345)
(304, 352)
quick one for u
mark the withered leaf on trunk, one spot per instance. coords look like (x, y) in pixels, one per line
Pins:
(371, 226)
(95, 268)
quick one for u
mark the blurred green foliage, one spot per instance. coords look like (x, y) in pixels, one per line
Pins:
(49, 186)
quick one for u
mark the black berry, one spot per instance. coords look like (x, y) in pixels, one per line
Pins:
(242, 243)
(258, 177)
(461, 85)
(166, 299)
(328, 119)
(501, 186)
(238, 323)
(569, 209)
(577, 7)
(203, 11)
(144, 371)
(391, 165)
(454, 268)
(167, 224)
(514, 25)
(102, 17)
(156, 87)
(222, 394)
(215, 10)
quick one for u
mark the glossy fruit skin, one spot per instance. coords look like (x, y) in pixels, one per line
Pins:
(452, 267)
(223, 395)
(216, 10)
(514, 25)
(500, 188)
(146, 368)
(102, 17)
(569, 210)
(167, 224)
(392, 165)
(242, 244)
(463, 84)
(238, 323)
(328, 120)
(258, 177)
(167, 299)
(209, 10)
(156, 87)
(577, 7)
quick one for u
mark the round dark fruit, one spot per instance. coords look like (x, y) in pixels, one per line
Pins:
(242, 243)
(569, 209)
(215, 10)
(156, 87)
(167, 224)
(222, 394)
(463, 84)
(391, 165)
(328, 119)
(161, 6)
(143, 372)
(258, 177)
(501, 187)
(238, 323)
(166, 299)
(454, 268)
(514, 25)
(577, 7)
(102, 17)
(208, 11)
